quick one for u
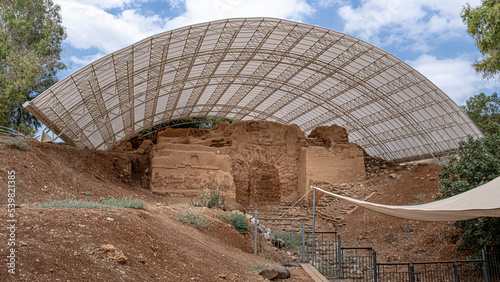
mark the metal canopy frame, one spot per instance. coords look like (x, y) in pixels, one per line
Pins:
(262, 69)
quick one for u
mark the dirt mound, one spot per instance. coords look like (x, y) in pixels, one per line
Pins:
(396, 239)
(111, 245)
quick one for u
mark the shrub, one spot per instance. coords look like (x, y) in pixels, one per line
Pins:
(192, 217)
(238, 220)
(203, 199)
(16, 143)
(72, 204)
(477, 163)
(110, 203)
(254, 267)
(216, 198)
(123, 203)
(209, 198)
(420, 199)
(291, 239)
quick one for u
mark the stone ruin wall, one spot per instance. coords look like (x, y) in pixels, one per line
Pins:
(254, 162)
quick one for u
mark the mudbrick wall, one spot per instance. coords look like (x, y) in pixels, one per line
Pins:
(256, 162)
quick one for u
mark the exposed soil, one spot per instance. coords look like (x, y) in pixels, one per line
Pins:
(402, 240)
(67, 245)
(147, 245)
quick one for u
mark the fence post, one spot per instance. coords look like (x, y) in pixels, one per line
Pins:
(339, 256)
(303, 243)
(411, 270)
(456, 276)
(255, 221)
(314, 225)
(485, 265)
(375, 272)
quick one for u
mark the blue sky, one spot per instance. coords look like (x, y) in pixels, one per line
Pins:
(427, 34)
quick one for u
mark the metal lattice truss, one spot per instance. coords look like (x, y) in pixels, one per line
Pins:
(256, 69)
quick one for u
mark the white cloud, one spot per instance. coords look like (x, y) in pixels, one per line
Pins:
(85, 60)
(104, 4)
(198, 11)
(417, 20)
(88, 26)
(455, 76)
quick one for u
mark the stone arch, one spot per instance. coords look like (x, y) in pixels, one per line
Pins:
(264, 176)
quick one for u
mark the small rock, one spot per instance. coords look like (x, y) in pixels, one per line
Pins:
(274, 272)
(109, 218)
(23, 243)
(222, 276)
(393, 175)
(158, 204)
(107, 248)
(37, 260)
(82, 226)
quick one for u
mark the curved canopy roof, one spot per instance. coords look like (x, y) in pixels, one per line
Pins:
(262, 69)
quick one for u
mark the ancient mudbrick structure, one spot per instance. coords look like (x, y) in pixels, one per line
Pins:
(253, 161)
(338, 161)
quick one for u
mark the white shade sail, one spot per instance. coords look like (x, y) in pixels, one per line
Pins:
(256, 69)
(481, 201)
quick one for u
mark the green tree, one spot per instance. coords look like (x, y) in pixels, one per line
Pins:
(478, 162)
(484, 111)
(31, 34)
(483, 24)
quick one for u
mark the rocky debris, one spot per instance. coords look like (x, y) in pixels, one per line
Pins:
(375, 166)
(272, 272)
(330, 134)
(123, 147)
(113, 253)
(145, 147)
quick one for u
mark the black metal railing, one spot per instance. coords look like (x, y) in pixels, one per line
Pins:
(397, 271)
(279, 240)
(285, 240)
(360, 264)
(357, 263)
(326, 255)
(491, 257)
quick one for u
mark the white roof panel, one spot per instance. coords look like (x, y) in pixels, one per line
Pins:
(260, 68)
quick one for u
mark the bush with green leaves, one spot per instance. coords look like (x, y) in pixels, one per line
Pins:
(193, 217)
(72, 204)
(123, 203)
(477, 163)
(291, 239)
(255, 267)
(238, 220)
(216, 198)
(209, 198)
(16, 143)
(105, 203)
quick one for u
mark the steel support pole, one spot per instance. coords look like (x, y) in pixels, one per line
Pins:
(303, 243)
(339, 255)
(411, 269)
(375, 270)
(485, 265)
(456, 276)
(255, 221)
(314, 225)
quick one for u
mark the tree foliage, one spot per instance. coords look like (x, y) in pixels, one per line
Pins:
(477, 163)
(484, 111)
(31, 34)
(483, 24)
